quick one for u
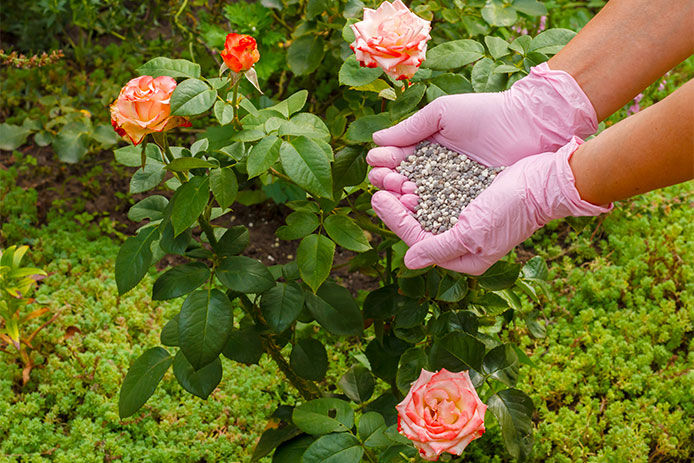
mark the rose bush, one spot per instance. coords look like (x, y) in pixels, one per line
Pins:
(441, 413)
(238, 308)
(142, 107)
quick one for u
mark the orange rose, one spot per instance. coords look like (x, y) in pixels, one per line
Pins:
(240, 52)
(142, 107)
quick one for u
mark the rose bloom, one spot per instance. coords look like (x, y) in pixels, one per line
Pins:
(441, 413)
(393, 38)
(240, 52)
(142, 107)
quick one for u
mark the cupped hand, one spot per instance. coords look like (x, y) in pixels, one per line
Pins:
(522, 198)
(539, 113)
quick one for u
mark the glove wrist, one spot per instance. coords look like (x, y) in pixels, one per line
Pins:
(568, 201)
(557, 105)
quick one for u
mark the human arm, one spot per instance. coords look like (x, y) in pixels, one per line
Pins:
(625, 48)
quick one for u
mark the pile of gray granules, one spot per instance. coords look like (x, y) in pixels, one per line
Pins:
(446, 182)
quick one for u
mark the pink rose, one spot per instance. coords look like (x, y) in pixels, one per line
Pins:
(441, 413)
(142, 107)
(393, 38)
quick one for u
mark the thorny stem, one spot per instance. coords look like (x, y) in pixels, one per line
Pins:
(207, 228)
(234, 103)
(307, 389)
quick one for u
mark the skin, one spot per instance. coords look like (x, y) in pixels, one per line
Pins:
(628, 45)
(652, 149)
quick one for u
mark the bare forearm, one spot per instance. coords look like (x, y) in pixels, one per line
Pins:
(651, 149)
(626, 47)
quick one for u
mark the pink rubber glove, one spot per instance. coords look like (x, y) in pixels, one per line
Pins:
(539, 113)
(522, 198)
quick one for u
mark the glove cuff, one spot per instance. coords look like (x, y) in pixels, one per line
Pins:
(558, 105)
(571, 203)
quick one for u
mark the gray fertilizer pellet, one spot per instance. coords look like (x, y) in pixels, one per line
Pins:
(446, 183)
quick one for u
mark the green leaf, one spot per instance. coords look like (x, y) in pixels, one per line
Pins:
(12, 136)
(409, 368)
(371, 430)
(273, 437)
(297, 101)
(336, 310)
(152, 208)
(293, 450)
(233, 241)
(408, 101)
(308, 125)
(530, 7)
(309, 359)
(498, 14)
(72, 141)
(362, 129)
(282, 305)
(501, 275)
(185, 164)
(224, 186)
(384, 357)
(358, 384)
(305, 163)
(299, 224)
(452, 289)
(169, 67)
(189, 202)
(465, 348)
(169, 334)
(354, 75)
(536, 329)
(497, 47)
(536, 269)
(514, 409)
(147, 178)
(142, 379)
(134, 258)
(131, 156)
(305, 54)
(346, 233)
(200, 382)
(506, 69)
(204, 325)
(502, 363)
(452, 83)
(180, 280)
(334, 448)
(551, 41)
(484, 79)
(171, 245)
(263, 155)
(349, 168)
(521, 44)
(315, 259)
(316, 7)
(192, 97)
(454, 54)
(245, 275)
(224, 112)
(323, 416)
(244, 345)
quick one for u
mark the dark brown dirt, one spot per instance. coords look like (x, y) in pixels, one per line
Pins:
(100, 185)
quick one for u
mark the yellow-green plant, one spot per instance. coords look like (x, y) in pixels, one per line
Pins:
(16, 284)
